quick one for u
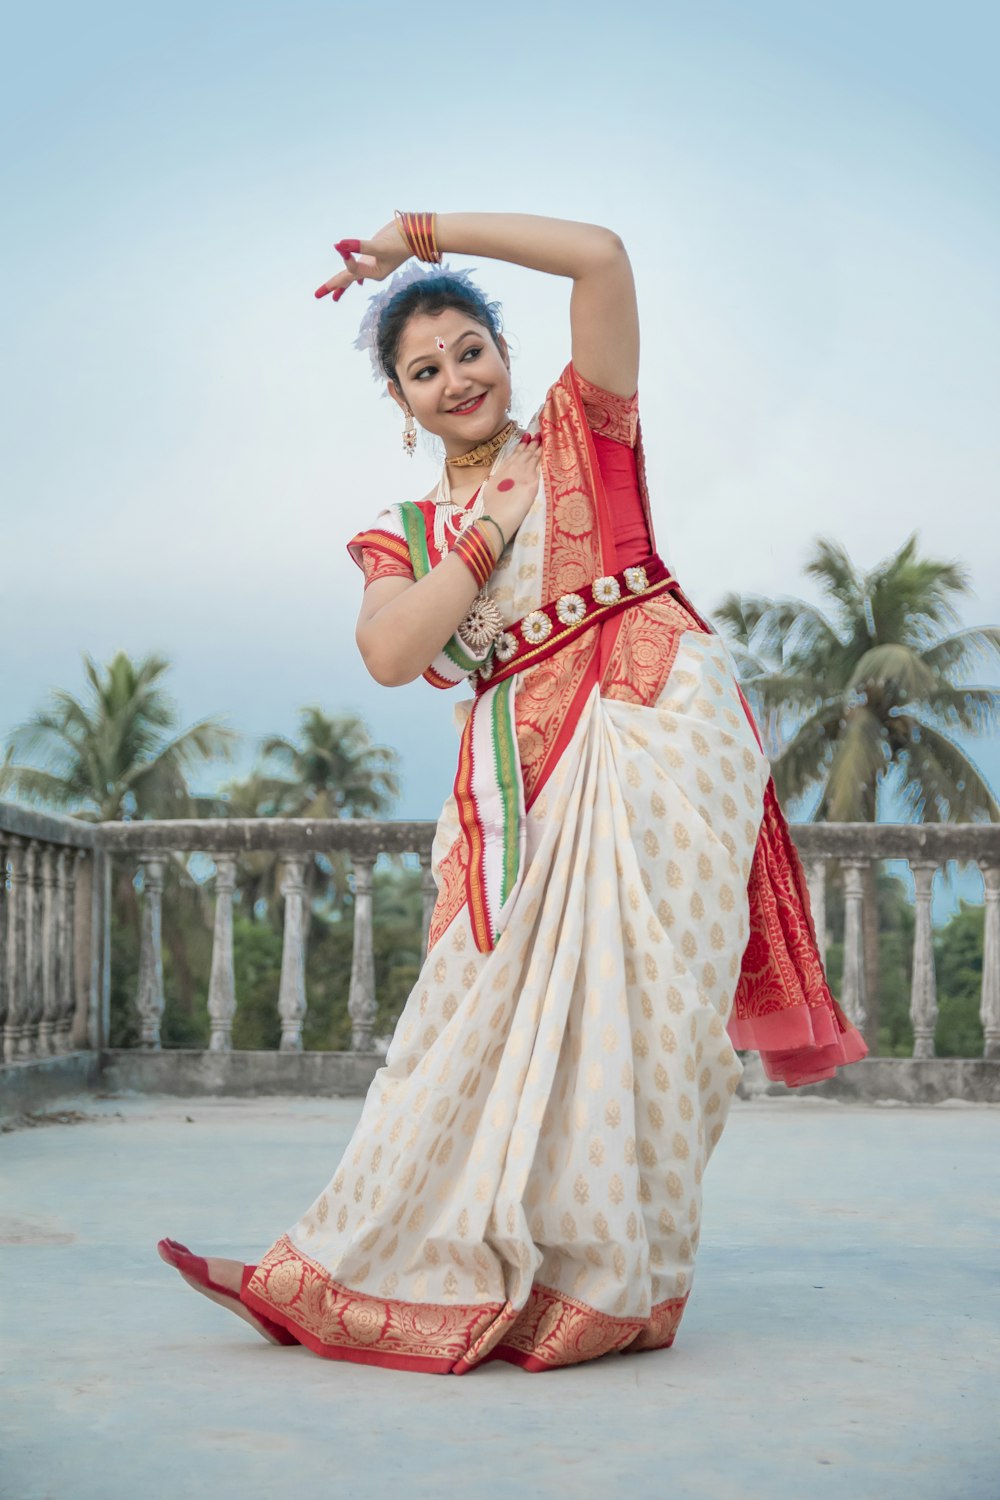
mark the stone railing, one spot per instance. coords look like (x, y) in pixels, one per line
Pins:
(926, 847)
(51, 905)
(55, 917)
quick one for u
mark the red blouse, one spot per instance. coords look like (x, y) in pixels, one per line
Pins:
(613, 421)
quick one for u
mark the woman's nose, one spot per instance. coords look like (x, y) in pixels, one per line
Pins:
(455, 378)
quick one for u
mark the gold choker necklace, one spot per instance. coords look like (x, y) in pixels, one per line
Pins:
(485, 452)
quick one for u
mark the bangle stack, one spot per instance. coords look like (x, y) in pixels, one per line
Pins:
(420, 233)
(476, 553)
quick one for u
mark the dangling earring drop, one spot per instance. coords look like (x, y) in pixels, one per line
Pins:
(410, 434)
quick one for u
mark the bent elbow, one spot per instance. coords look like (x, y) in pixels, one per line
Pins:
(610, 246)
(383, 668)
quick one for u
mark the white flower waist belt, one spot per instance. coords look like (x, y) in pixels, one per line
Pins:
(544, 631)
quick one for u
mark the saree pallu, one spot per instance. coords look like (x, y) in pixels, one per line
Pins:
(525, 1181)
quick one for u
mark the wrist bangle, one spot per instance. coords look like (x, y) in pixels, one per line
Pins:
(503, 539)
(419, 232)
(476, 553)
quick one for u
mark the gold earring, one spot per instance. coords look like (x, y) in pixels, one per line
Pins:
(409, 434)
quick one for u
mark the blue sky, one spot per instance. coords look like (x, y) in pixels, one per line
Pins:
(809, 195)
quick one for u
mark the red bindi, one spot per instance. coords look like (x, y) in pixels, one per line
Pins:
(506, 484)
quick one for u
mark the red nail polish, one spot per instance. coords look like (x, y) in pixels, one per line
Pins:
(338, 294)
(345, 247)
(320, 291)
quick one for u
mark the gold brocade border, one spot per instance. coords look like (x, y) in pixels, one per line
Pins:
(550, 1330)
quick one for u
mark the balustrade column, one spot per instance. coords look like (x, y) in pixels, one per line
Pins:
(34, 999)
(292, 990)
(150, 997)
(853, 997)
(361, 999)
(429, 892)
(222, 983)
(816, 883)
(4, 905)
(17, 951)
(923, 993)
(989, 1009)
(66, 864)
(49, 956)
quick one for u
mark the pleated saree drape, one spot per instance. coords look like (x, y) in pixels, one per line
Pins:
(525, 1181)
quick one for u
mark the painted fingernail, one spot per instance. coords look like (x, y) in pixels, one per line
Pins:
(361, 281)
(346, 247)
(537, 439)
(339, 293)
(321, 291)
(525, 437)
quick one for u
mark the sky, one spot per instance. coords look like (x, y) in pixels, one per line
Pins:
(809, 197)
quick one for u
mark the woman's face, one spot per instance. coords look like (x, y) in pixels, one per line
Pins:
(453, 378)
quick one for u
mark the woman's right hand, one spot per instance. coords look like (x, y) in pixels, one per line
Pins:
(509, 494)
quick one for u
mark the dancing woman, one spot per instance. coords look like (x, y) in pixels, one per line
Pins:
(619, 903)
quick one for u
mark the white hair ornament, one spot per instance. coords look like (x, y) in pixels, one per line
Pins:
(409, 274)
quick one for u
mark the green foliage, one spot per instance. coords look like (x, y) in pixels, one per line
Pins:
(878, 688)
(958, 956)
(958, 959)
(257, 967)
(257, 949)
(113, 753)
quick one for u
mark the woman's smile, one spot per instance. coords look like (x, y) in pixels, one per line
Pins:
(473, 404)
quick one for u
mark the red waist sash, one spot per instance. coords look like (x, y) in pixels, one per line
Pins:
(544, 631)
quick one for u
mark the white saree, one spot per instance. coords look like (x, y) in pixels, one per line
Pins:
(525, 1180)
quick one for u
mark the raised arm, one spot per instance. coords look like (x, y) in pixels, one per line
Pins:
(604, 322)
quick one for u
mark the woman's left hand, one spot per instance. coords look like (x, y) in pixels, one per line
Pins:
(367, 260)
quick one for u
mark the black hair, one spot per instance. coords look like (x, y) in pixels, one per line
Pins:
(434, 294)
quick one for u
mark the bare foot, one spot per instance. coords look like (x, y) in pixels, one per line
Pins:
(227, 1276)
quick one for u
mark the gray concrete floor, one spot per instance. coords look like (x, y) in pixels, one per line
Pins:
(841, 1338)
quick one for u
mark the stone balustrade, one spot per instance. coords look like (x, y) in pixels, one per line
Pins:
(48, 868)
(55, 917)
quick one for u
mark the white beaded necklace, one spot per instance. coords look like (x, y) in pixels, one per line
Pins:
(445, 518)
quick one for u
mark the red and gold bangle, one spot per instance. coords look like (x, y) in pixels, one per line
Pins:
(419, 232)
(477, 554)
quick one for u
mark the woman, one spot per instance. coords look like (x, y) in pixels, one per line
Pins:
(616, 885)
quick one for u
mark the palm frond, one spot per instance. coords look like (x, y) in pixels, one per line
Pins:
(942, 782)
(805, 759)
(962, 650)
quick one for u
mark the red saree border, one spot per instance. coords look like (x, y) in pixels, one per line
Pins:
(551, 1330)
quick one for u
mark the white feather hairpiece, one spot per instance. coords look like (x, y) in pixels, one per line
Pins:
(368, 328)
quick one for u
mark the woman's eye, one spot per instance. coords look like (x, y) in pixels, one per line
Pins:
(473, 351)
(427, 370)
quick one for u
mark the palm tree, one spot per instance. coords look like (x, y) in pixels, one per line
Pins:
(114, 754)
(867, 701)
(333, 771)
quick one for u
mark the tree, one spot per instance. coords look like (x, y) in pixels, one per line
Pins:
(872, 696)
(114, 754)
(333, 771)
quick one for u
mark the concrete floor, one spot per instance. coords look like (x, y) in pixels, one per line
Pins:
(842, 1338)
